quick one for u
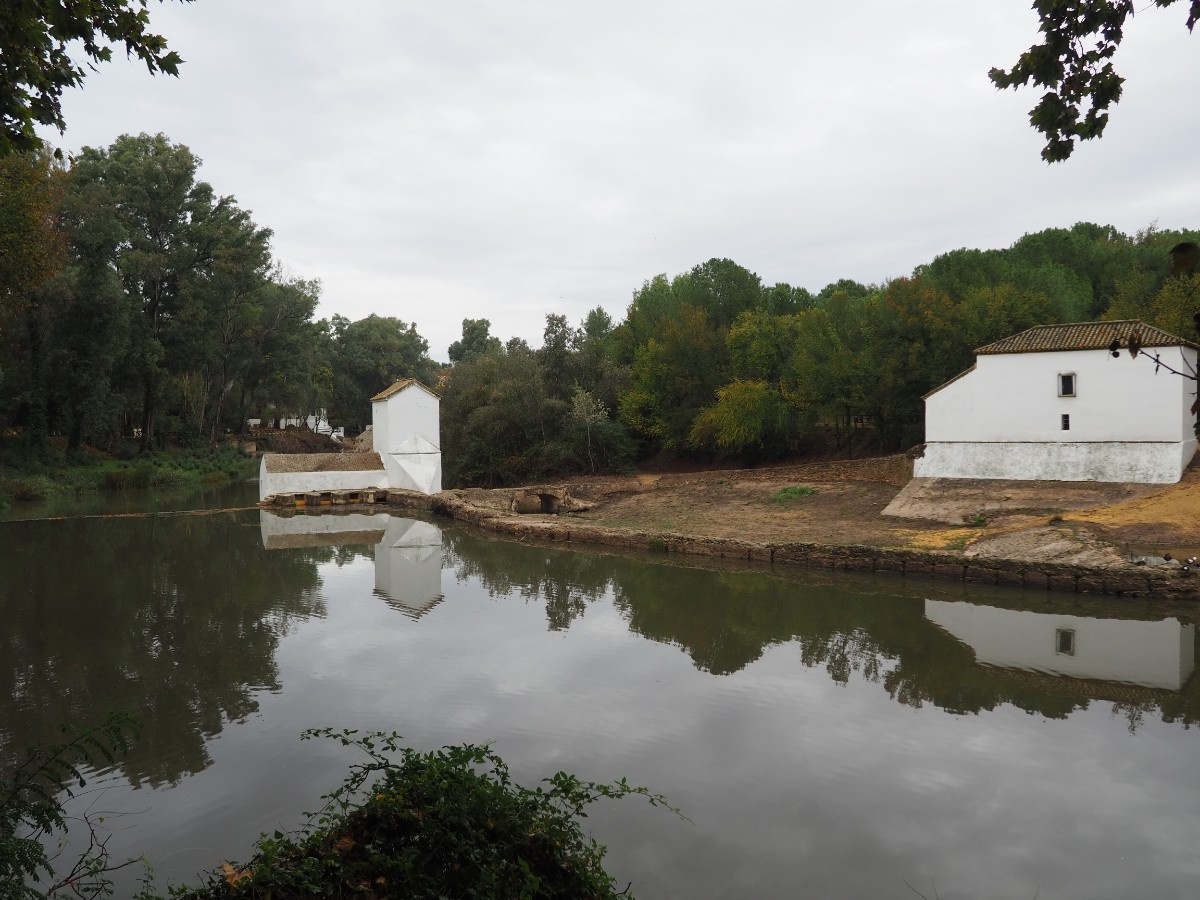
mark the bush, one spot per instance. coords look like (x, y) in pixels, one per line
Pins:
(448, 823)
(29, 488)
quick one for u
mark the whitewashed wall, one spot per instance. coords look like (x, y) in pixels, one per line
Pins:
(270, 483)
(406, 433)
(1004, 419)
(413, 411)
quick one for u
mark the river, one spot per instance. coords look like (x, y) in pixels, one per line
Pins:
(827, 736)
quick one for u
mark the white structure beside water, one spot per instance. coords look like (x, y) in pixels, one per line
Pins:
(1052, 403)
(406, 433)
(406, 451)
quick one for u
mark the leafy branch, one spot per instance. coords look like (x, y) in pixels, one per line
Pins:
(30, 808)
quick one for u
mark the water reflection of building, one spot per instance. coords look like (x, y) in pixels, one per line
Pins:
(408, 566)
(1156, 654)
(286, 532)
(408, 552)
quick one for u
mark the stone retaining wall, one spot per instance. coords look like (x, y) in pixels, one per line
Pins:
(1131, 584)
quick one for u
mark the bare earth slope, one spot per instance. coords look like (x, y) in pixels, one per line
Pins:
(870, 514)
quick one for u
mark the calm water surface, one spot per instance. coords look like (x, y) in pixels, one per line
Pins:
(828, 737)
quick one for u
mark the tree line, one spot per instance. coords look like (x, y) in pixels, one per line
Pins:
(137, 302)
(713, 363)
(140, 307)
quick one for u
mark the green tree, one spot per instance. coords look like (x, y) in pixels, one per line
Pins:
(32, 259)
(830, 369)
(750, 418)
(1073, 63)
(171, 231)
(368, 356)
(40, 42)
(674, 375)
(476, 341)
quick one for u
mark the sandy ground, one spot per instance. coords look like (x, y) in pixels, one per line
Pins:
(323, 462)
(861, 502)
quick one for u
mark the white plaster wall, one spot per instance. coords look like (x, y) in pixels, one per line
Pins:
(1145, 463)
(1153, 654)
(413, 411)
(380, 417)
(1013, 397)
(414, 471)
(301, 482)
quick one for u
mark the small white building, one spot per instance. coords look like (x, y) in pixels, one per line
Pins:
(1053, 403)
(406, 433)
(405, 451)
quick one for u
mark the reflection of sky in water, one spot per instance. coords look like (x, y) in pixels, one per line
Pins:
(796, 785)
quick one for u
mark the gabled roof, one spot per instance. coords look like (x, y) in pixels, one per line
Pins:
(1084, 336)
(400, 386)
(962, 374)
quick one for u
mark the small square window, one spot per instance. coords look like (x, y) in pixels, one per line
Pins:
(1066, 422)
(1066, 384)
(1064, 641)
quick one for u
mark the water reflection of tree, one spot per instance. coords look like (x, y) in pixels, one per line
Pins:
(173, 619)
(566, 582)
(726, 619)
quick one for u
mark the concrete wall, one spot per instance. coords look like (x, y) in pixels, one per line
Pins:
(270, 483)
(1143, 463)
(1004, 419)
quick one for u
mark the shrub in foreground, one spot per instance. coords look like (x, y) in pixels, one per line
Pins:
(404, 823)
(446, 823)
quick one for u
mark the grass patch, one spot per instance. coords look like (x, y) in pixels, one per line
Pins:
(35, 480)
(797, 492)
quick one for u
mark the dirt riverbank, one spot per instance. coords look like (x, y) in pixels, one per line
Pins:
(871, 515)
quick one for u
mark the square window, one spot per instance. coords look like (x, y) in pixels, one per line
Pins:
(1064, 641)
(1066, 422)
(1066, 384)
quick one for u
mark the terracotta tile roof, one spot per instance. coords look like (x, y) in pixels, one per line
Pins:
(398, 387)
(1084, 336)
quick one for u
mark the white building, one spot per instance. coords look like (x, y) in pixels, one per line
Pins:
(405, 451)
(406, 433)
(1053, 403)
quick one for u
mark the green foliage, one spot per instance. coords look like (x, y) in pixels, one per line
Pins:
(516, 414)
(446, 823)
(369, 356)
(144, 304)
(31, 808)
(1074, 63)
(796, 492)
(749, 418)
(39, 58)
(163, 470)
(476, 341)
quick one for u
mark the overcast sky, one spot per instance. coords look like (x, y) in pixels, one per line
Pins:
(506, 160)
